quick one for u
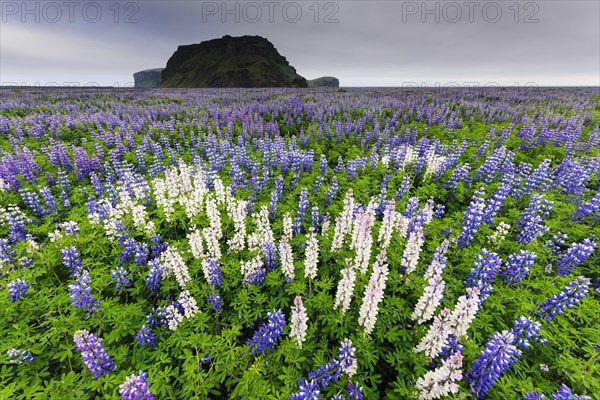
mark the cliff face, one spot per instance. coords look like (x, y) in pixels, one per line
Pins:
(245, 62)
(325, 81)
(149, 78)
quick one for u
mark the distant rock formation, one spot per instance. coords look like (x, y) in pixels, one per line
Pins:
(148, 78)
(245, 62)
(325, 81)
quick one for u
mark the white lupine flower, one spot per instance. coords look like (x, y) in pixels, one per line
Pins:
(345, 289)
(287, 258)
(434, 291)
(214, 217)
(431, 298)
(221, 192)
(325, 225)
(434, 162)
(173, 263)
(464, 312)
(402, 223)
(196, 244)
(350, 364)
(298, 322)
(343, 223)
(436, 336)
(174, 317)
(387, 225)
(237, 212)
(32, 245)
(249, 268)
(55, 236)
(362, 237)
(442, 381)
(427, 211)
(263, 232)
(212, 243)
(497, 237)
(190, 308)
(409, 157)
(287, 225)
(385, 160)
(4, 187)
(412, 251)
(374, 292)
(311, 255)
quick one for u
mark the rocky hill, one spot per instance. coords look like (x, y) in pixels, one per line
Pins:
(149, 78)
(245, 62)
(325, 81)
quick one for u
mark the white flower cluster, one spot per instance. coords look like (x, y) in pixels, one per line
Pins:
(498, 236)
(214, 217)
(412, 251)
(343, 223)
(387, 225)
(287, 258)
(237, 212)
(190, 308)
(374, 292)
(184, 185)
(299, 322)
(287, 225)
(442, 381)
(345, 288)
(173, 317)
(449, 322)
(311, 256)
(196, 244)
(212, 243)
(173, 263)
(263, 232)
(248, 268)
(434, 291)
(362, 237)
(434, 162)
(402, 225)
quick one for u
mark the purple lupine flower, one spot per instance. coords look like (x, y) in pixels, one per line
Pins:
(316, 218)
(589, 209)
(323, 165)
(17, 289)
(215, 301)
(81, 294)
(453, 345)
(403, 188)
(19, 357)
(482, 274)
(32, 202)
(71, 260)
(355, 392)
(497, 357)
(556, 243)
(93, 355)
(141, 254)
(347, 357)
(273, 206)
(157, 247)
(214, 273)
(576, 254)
(568, 298)
(516, 267)
(496, 202)
(136, 388)
(129, 249)
(145, 337)
(525, 330)
(564, 393)
(270, 257)
(308, 390)
(533, 396)
(318, 182)
(472, 219)
(157, 317)
(531, 221)
(302, 207)
(538, 179)
(331, 192)
(7, 254)
(155, 271)
(119, 275)
(268, 334)
(205, 361)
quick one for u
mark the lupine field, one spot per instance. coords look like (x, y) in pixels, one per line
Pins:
(300, 244)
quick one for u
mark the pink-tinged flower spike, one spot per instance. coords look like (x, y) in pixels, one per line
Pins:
(412, 251)
(312, 255)
(343, 223)
(136, 388)
(362, 237)
(442, 381)
(299, 322)
(464, 313)
(287, 259)
(387, 225)
(345, 288)
(93, 355)
(434, 291)
(374, 292)
(434, 340)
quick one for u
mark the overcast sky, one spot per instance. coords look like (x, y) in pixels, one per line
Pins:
(363, 43)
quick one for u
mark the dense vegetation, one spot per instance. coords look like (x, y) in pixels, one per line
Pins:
(300, 243)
